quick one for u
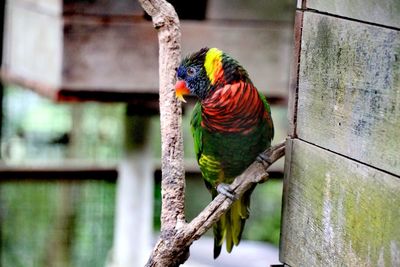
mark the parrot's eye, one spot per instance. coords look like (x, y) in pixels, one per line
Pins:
(191, 71)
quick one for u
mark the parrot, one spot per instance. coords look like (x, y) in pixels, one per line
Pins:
(231, 125)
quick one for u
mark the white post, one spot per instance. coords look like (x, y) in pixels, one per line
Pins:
(133, 231)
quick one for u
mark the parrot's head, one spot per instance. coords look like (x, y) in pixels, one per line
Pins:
(192, 77)
(203, 71)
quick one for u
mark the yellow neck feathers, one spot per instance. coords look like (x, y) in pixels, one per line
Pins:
(213, 65)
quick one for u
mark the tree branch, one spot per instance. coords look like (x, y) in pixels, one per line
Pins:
(166, 21)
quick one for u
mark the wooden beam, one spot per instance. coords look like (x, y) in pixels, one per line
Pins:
(349, 88)
(255, 10)
(385, 13)
(81, 172)
(102, 8)
(294, 74)
(92, 57)
(61, 173)
(338, 212)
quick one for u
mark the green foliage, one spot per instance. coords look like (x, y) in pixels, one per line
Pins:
(56, 223)
(35, 128)
(265, 213)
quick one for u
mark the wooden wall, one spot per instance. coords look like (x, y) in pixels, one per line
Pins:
(342, 174)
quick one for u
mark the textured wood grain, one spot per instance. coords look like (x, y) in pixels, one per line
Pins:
(294, 74)
(349, 90)
(123, 56)
(346, 215)
(385, 12)
(74, 7)
(126, 8)
(272, 10)
(166, 22)
(117, 56)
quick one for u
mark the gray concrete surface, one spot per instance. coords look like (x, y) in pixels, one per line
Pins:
(248, 253)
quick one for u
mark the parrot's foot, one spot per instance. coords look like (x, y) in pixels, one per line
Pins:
(226, 190)
(264, 160)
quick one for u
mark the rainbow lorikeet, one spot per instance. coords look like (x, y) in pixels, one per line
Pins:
(231, 125)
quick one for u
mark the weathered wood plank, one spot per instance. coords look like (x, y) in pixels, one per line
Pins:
(93, 7)
(102, 8)
(67, 170)
(117, 56)
(294, 74)
(273, 10)
(349, 90)
(123, 57)
(385, 12)
(338, 212)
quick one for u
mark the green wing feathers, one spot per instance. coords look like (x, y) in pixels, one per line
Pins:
(195, 124)
(270, 129)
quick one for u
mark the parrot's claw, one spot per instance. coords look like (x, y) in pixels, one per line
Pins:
(264, 160)
(226, 190)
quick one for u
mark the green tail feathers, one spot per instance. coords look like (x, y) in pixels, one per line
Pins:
(230, 226)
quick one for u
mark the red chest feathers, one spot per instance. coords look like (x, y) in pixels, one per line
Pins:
(235, 108)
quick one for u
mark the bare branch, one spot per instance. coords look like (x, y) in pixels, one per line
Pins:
(166, 21)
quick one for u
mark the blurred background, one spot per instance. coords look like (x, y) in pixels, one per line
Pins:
(80, 138)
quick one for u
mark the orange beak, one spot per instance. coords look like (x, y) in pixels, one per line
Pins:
(181, 90)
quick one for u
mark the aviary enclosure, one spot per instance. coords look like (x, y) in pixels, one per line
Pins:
(72, 167)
